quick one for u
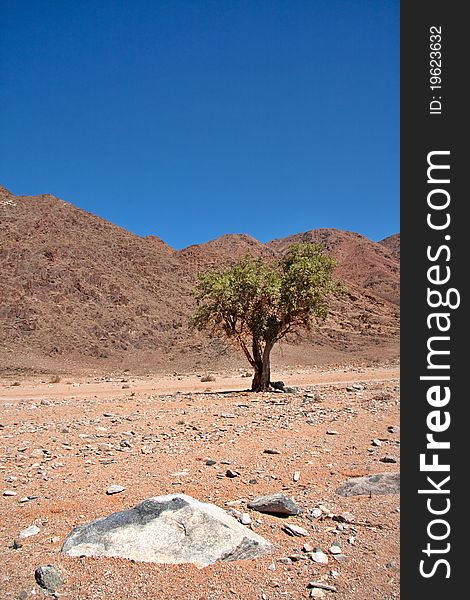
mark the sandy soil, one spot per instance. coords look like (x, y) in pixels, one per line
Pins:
(61, 444)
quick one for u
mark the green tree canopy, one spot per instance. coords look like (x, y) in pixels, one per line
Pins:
(258, 301)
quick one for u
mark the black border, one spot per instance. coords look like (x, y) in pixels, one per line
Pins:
(421, 133)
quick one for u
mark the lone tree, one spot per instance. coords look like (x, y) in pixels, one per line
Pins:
(257, 302)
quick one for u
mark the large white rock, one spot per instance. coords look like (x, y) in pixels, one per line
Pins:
(168, 529)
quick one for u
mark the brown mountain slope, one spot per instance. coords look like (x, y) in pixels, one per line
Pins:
(392, 243)
(74, 284)
(362, 263)
(78, 290)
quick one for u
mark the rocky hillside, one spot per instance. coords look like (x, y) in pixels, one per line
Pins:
(76, 289)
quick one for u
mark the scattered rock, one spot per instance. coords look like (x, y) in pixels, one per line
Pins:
(271, 451)
(340, 557)
(245, 519)
(37, 453)
(29, 531)
(320, 557)
(291, 390)
(355, 387)
(316, 512)
(115, 489)
(376, 442)
(48, 577)
(16, 545)
(276, 504)
(317, 593)
(322, 586)
(308, 547)
(169, 529)
(9, 493)
(345, 517)
(295, 530)
(278, 385)
(331, 432)
(296, 476)
(230, 473)
(380, 484)
(393, 429)
(210, 463)
(334, 549)
(389, 459)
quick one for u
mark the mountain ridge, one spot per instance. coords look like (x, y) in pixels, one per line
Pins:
(77, 288)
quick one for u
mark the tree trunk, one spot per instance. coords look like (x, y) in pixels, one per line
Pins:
(262, 378)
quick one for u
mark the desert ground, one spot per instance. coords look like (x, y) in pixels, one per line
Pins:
(65, 440)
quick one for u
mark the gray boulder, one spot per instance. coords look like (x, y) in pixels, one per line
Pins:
(380, 484)
(276, 504)
(168, 529)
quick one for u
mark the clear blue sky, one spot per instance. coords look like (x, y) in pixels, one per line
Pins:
(190, 119)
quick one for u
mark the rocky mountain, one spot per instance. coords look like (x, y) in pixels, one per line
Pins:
(78, 290)
(392, 243)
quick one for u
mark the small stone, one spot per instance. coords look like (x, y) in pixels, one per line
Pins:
(9, 493)
(296, 557)
(275, 504)
(391, 565)
(331, 432)
(245, 519)
(291, 390)
(334, 549)
(334, 574)
(316, 512)
(272, 566)
(296, 476)
(115, 489)
(125, 444)
(322, 586)
(393, 429)
(29, 531)
(126, 386)
(210, 463)
(345, 517)
(376, 442)
(295, 530)
(307, 547)
(48, 577)
(340, 557)
(16, 545)
(230, 473)
(389, 459)
(319, 557)
(271, 451)
(317, 593)
(285, 561)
